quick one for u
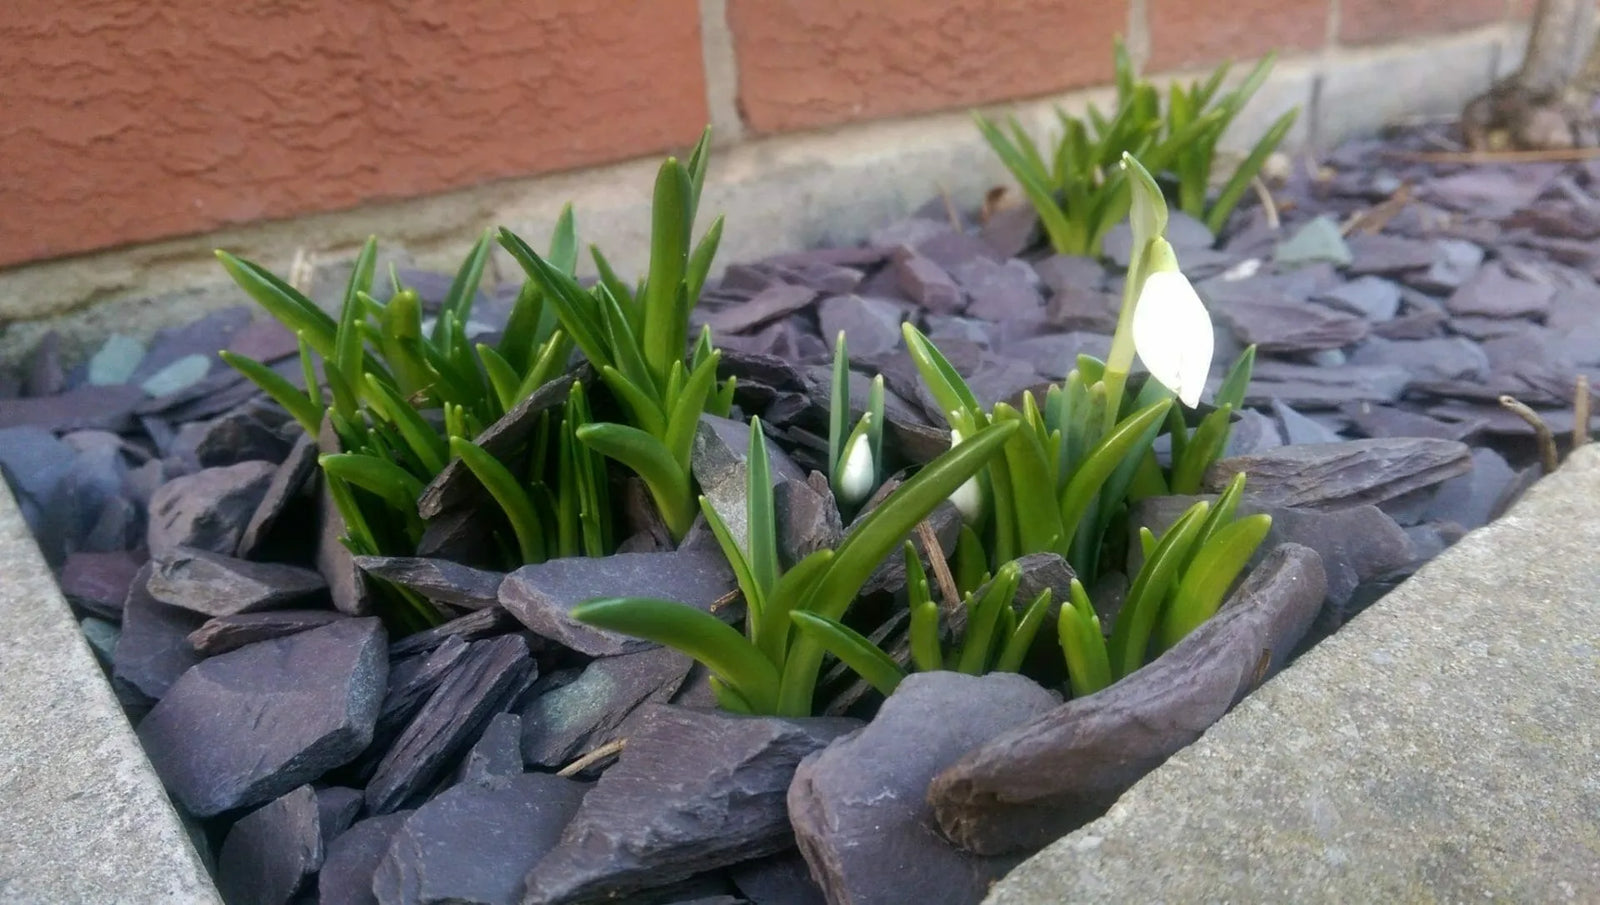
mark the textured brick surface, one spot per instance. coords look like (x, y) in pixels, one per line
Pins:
(128, 120)
(1381, 21)
(1186, 34)
(808, 63)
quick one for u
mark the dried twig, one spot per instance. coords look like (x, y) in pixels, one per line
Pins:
(950, 208)
(1580, 412)
(941, 569)
(1547, 441)
(1264, 195)
(1440, 142)
(1375, 218)
(994, 201)
(1424, 119)
(726, 599)
(609, 749)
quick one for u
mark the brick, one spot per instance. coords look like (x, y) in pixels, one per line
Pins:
(809, 63)
(127, 121)
(1189, 34)
(1382, 21)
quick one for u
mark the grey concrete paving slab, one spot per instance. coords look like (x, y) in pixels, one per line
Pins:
(82, 816)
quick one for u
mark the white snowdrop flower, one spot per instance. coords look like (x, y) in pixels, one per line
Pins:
(968, 498)
(1172, 334)
(859, 475)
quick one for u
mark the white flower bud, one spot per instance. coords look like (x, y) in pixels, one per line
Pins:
(859, 475)
(968, 498)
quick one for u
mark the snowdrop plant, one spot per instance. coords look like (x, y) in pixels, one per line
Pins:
(1080, 192)
(1162, 318)
(636, 339)
(994, 637)
(1091, 441)
(403, 401)
(791, 616)
(378, 351)
(1164, 322)
(1184, 576)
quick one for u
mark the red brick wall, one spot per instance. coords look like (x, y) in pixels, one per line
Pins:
(131, 120)
(808, 63)
(125, 121)
(1185, 34)
(1383, 21)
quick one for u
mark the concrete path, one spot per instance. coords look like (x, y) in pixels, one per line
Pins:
(82, 816)
(1443, 747)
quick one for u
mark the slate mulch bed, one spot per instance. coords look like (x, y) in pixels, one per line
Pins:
(1392, 306)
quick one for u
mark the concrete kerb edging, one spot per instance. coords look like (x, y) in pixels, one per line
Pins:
(85, 818)
(778, 193)
(1444, 746)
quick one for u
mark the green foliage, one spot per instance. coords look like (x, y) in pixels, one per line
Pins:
(1092, 473)
(1079, 190)
(1185, 575)
(792, 617)
(636, 339)
(1068, 476)
(403, 401)
(994, 639)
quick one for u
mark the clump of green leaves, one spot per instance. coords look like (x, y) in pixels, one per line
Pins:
(636, 339)
(772, 667)
(1079, 190)
(1068, 475)
(1184, 576)
(1063, 483)
(1065, 477)
(991, 637)
(402, 402)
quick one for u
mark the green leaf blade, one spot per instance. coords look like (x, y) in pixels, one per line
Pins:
(508, 493)
(695, 632)
(649, 458)
(852, 648)
(1200, 591)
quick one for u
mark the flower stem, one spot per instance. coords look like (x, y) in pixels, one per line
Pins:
(1120, 360)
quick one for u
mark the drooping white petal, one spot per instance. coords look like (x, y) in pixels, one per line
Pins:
(1172, 334)
(859, 474)
(968, 498)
